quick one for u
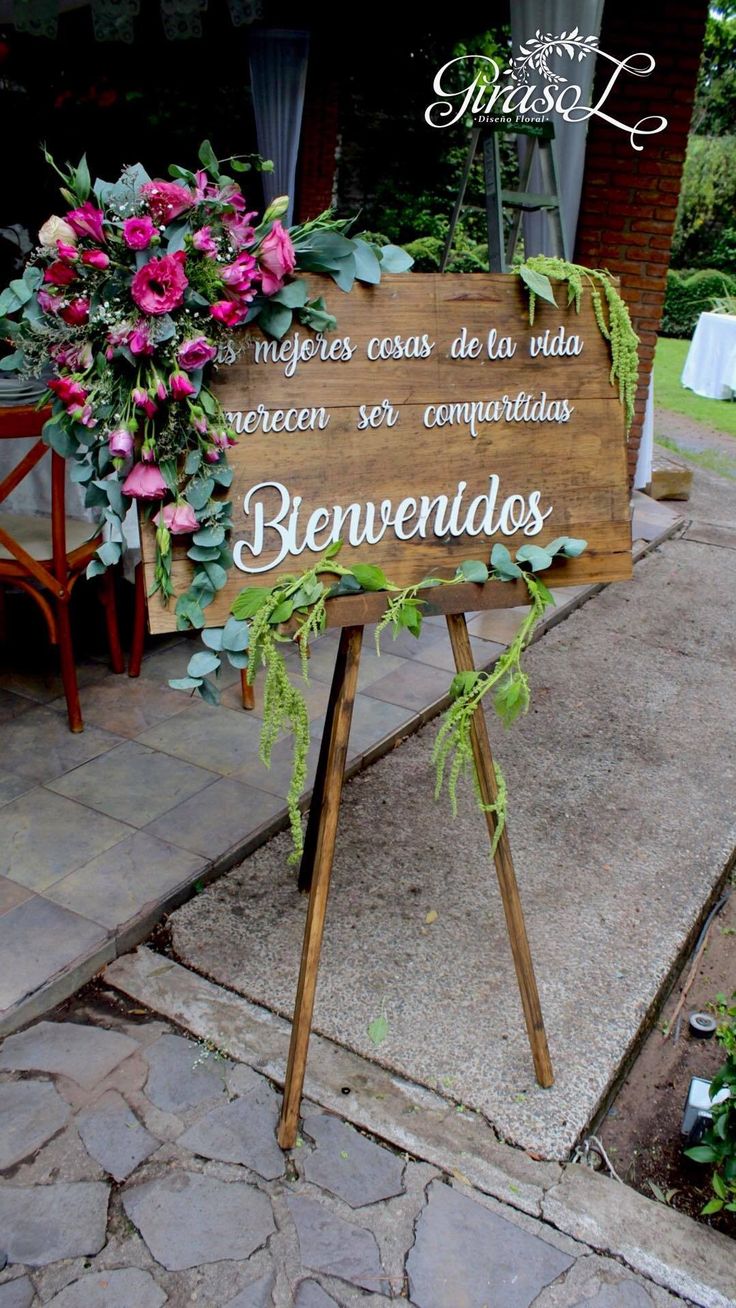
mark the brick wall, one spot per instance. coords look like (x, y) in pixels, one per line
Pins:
(319, 137)
(629, 200)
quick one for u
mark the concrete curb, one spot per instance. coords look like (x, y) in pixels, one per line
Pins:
(665, 1246)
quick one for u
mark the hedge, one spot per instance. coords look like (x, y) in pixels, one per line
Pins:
(690, 294)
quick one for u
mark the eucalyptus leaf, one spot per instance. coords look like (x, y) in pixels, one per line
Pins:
(209, 536)
(275, 319)
(473, 570)
(208, 693)
(216, 574)
(185, 683)
(12, 361)
(193, 462)
(235, 636)
(503, 564)
(537, 558)
(212, 637)
(394, 259)
(199, 493)
(60, 440)
(367, 265)
(237, 658)
(9, 302)
(203, 553)
(570, 546)
(293, 294)
(202, 663)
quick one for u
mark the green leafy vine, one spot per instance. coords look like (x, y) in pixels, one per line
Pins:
(293, 609)
(614, 321)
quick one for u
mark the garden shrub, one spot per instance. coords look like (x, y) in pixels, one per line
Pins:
(707, 201)
(690, 294)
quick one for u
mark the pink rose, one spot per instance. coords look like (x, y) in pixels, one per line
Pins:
(166, 200)
(76, 313)
(139, 341)
(180, 386)
(70, 392)
(120, 443)
(55, 229)
(87, 221)
(228, 312)
(277, 258)
(59, 274)
(145, 482)
(68, 253)
(203, 241)
(158, 287)
(96, 259)
(195, 353)
(138, 232)
(179, 518)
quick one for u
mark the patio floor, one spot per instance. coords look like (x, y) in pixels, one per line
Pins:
(105, 831)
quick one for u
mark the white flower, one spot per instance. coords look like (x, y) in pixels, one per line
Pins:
(56, 229)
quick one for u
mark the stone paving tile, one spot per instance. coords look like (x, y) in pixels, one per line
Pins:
(86, 1054)
(213, 738)
(12, 894)
(124, 1287)
(256, 1295)
(311, 1295)
(39, 744)
(40, 684)
(276, 779)
(11, 706)
(12, 785)
(465, 1253)
(373, 720)
(179, 1078)
(243, 1131)
(134, 783)
(38, 940)
(209, 825)
(348, 1165)
(187, 1219)
(17, 1293)
(45, 836)
(330, 1245)
(595, 1282)
(116, 885)
(439, 653)
(127, 710)
(114, 1137)
(498, 625)
(31, 1112)
(42, 1223)
(414, 685)
(161, 665)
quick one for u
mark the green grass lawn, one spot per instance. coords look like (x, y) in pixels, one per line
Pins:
(669, 362)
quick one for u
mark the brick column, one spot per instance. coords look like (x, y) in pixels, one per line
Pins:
(629, 200)
(319, 137)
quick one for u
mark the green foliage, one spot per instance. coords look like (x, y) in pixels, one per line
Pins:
(453, 749)
(707, 201)
(611, 315)
(714, 112)
(719, 1142)
(690, 294)
(426, 251)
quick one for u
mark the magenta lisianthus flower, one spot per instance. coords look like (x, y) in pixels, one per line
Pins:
(139, 340)
(120, 443)
(47, 302)
(166, 200)
(87, 221)
(180, 386)
(203, 241)
(96, 259)
(277, 258)
(240, 229)
(222, 439)
(179, 518)
(145, 482)
(59, 274)
(159, 286)
(77, 358)
(229, 312)
(138, 232)
(69, 253)
(142, 400)
(195, 353)
(240, 275)
(76, 313)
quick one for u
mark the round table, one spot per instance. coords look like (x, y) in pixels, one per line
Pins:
(710, 367)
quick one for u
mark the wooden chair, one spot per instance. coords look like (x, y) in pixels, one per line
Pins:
(45, 555)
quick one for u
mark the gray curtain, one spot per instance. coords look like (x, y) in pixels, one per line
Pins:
(278, 71)
(555, 17)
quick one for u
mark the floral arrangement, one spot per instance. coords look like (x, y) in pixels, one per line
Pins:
(133, 294)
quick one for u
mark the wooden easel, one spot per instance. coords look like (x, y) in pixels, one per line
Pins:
(319, 849)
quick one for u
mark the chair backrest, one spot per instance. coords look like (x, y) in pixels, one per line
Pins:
(24, 422)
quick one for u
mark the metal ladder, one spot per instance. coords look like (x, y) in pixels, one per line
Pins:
(522, 201)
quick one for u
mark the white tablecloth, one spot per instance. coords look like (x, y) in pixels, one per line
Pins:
(710, 367)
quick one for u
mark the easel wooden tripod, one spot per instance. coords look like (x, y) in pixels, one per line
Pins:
(316, 866)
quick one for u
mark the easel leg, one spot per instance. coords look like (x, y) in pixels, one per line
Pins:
(483, 758)
(337, 733)
(306, 867)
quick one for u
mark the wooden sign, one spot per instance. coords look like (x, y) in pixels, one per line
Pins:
(432, 423)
